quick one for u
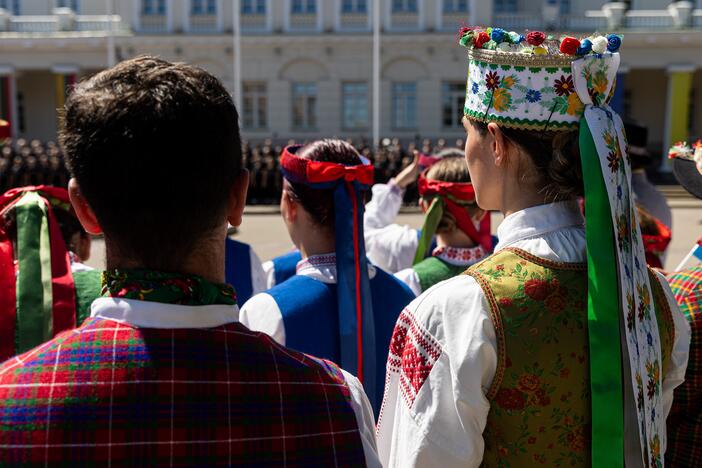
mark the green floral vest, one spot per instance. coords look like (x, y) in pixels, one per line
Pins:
(433, 270)
(540, 396)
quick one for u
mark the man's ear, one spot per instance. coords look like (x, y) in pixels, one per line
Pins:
(499, 144)
(85, 214)
(237, 198)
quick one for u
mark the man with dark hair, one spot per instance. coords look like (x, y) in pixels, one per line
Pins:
(162, 372)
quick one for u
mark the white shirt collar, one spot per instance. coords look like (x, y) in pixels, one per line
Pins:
(145, 314)
(537, 221)
(323, 268)
(459, 256)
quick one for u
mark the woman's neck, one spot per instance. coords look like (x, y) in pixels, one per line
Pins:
(520, 195)
(456, 238)
(316, 242)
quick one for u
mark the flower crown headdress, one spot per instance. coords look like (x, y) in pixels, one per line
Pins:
(527, 82)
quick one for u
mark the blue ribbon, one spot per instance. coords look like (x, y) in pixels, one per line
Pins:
(352, 264)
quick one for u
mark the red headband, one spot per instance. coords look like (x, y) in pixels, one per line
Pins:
(463, 191)
(426, 161)
(316, 172)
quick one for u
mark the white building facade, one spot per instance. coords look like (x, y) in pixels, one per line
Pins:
(306, 65)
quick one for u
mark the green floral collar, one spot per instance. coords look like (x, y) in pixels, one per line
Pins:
(167, 288)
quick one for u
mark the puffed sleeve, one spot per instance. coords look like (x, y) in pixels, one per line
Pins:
(442, 360)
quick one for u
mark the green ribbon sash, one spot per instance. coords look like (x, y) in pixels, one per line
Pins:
(603, 313)
(432, 218)
(34, 290)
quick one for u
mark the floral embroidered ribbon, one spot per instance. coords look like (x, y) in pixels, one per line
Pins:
(616, 268)
(166, 288)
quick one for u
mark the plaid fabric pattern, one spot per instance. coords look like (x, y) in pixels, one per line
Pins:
(180, 397)
(685, 420)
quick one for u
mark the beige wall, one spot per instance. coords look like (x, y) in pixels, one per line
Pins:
(330, 59)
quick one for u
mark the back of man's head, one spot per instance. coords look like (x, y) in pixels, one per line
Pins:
(155, 149)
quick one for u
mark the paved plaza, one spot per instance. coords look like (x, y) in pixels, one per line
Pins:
(264, 229)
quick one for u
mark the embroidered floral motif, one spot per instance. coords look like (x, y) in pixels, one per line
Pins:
(167, 288)
(460, 255)
(492, 81)
(475, 88)
(533, 95)
(413, 353)
(564, 86)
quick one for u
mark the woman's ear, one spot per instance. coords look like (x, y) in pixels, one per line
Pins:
(499, 143)
(288, 207)
(85, 214)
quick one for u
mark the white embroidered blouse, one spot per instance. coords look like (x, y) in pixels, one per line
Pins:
(442, 423)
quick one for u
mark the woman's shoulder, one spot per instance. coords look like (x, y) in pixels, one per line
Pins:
(459, 300)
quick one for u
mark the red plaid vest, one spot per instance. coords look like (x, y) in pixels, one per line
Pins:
(218, 396)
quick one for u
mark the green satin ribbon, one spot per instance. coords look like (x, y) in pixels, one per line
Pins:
(34, 295)
(603, 304)
(432, 218)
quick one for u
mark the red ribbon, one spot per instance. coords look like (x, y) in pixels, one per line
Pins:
(426, 161)
(316, 172)
(463, 191)
(8, 302)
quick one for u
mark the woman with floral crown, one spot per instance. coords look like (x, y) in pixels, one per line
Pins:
(561, 348)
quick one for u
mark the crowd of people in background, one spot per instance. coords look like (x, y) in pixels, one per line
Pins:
(34, 162)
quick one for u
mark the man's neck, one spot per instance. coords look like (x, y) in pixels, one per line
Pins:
(206, 261)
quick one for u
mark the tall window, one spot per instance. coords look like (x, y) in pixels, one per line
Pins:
(72, 4)
(563, 5)
(304, 106)
(453, 96)
(253, 7)
(13, 6)
(354, 6)
(303, 6)
(404, 6)
(153, 7)
(203, 7)
(255, 104)
(505, 6)
(455, 6)
(355, 105)
(404, 105)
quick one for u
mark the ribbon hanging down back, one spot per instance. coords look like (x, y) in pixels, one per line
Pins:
(356, 321)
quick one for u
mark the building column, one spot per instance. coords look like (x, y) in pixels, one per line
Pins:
(8, 98)
(677, 114)
(617, 102)
(64, 79)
